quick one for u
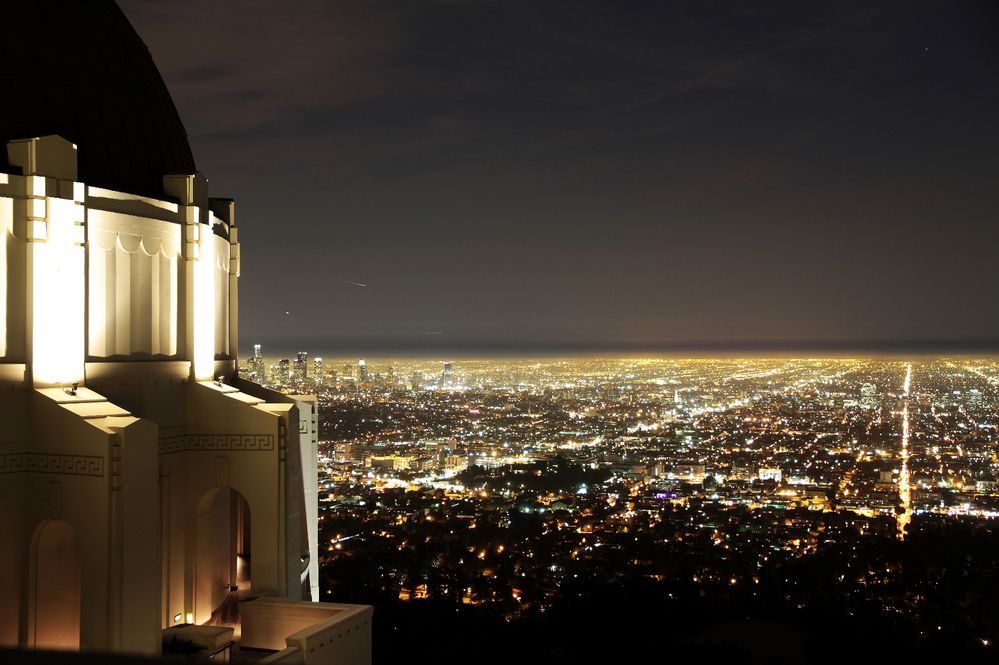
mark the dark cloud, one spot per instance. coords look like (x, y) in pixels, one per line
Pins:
(601, 171)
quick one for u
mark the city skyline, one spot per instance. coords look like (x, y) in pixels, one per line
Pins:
(512, 174)
(596, 403)
(381, 350)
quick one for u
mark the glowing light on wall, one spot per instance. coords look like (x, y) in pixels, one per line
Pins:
(6, 219)
(58, 293)
(204, 305)
(221, 295)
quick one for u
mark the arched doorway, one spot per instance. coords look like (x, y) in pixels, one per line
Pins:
(222, 566)
(54, 587)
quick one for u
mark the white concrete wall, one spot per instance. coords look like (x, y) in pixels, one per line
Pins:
(99, 474)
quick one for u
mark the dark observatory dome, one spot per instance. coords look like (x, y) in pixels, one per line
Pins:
(79, 70)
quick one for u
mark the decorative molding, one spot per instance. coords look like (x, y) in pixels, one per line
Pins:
(65, 465)
(213, 442)
(117, 473)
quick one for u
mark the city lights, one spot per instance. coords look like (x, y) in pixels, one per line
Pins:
(744, 466)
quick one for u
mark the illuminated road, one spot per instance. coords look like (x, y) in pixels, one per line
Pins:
(904, 491)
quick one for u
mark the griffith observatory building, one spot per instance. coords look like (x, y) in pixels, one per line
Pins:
(147, 491)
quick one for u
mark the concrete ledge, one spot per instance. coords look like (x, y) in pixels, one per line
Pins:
(321, 632)
(209, 638)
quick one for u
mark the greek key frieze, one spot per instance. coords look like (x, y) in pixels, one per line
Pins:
(213, 442)
(66, 465)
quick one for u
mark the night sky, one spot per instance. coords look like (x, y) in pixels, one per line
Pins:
(612, 175)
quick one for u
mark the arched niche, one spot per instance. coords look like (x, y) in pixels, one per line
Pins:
(54, 587)
(222, 563)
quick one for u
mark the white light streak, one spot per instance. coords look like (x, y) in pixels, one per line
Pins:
(904, 489)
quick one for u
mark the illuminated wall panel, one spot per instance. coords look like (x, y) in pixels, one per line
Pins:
(58, 294)
(6, 225)
(204, 304)
(221, 295)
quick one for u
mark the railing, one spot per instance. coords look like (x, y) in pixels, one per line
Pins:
(222, 654)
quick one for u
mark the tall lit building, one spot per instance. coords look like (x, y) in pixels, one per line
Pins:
(447, 375)
(258, 370)
(300, 373)
(144, 484)
(362, 371)
(318, 372)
